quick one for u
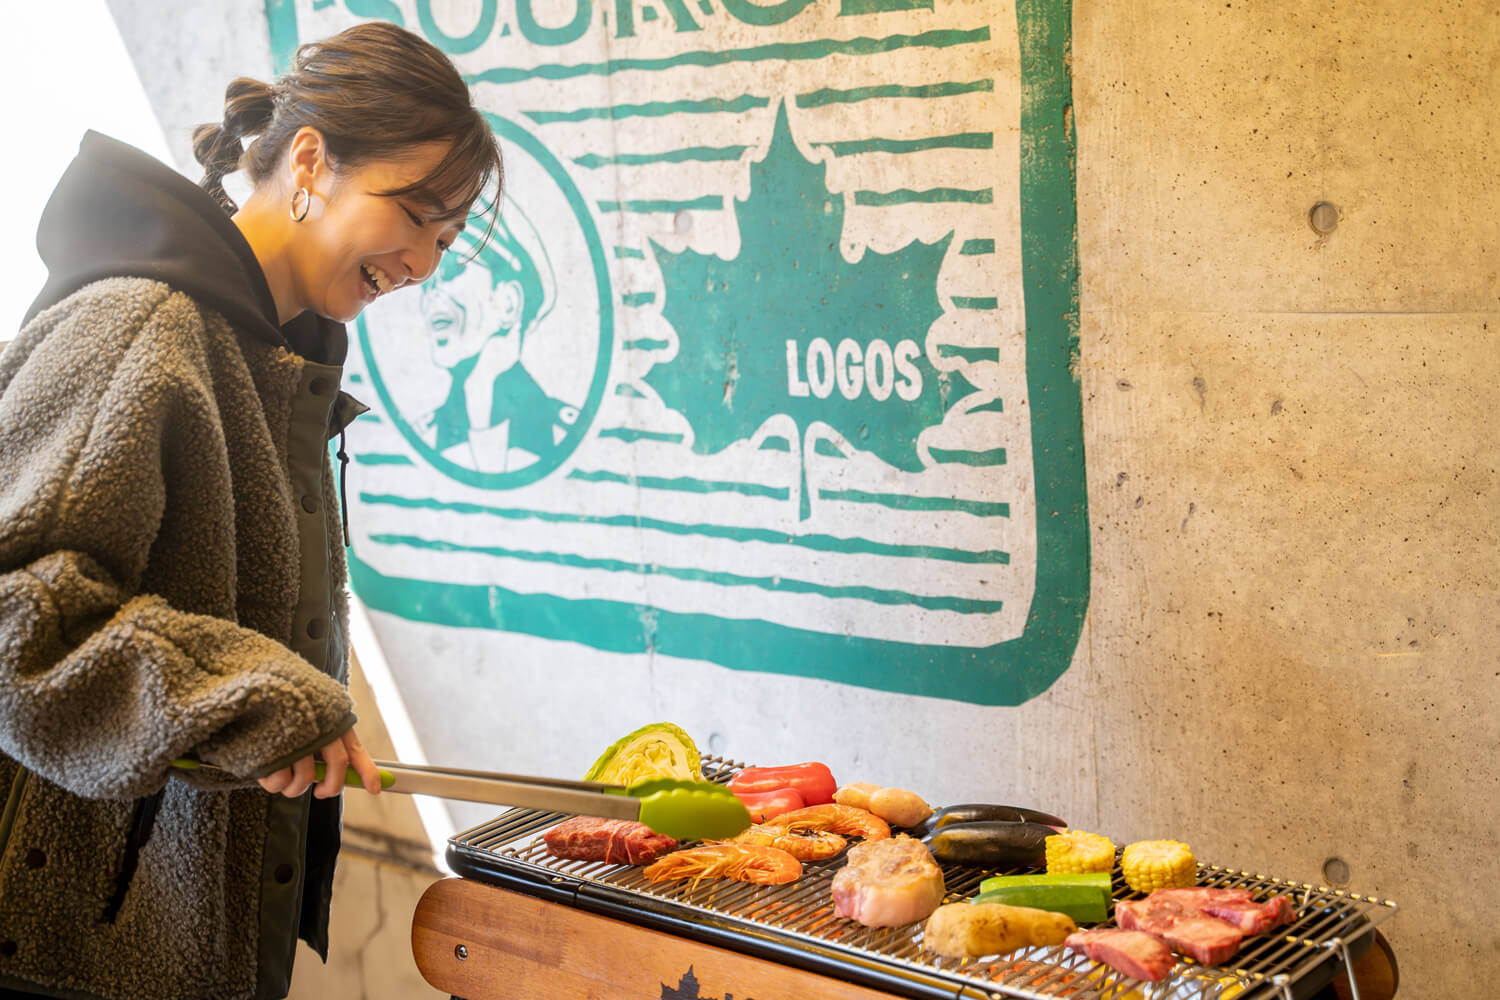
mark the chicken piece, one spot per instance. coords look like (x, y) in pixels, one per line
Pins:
(888, 883)
(969, 930)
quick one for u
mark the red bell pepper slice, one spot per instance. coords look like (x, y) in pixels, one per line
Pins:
(768, 805)
(812, 780)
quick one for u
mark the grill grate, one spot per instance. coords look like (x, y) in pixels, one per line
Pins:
(799, 917)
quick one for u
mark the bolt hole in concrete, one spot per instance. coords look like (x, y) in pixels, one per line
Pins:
(1324, 217)
(1336, 872)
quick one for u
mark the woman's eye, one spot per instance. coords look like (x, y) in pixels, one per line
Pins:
(415, 219)
(444, 247)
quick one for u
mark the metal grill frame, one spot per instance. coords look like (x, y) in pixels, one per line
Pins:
(795, 925)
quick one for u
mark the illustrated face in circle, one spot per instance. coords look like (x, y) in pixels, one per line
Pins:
(467, 312)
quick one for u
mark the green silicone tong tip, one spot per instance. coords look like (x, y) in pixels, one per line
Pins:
(689, 810)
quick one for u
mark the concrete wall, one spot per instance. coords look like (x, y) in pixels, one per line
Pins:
(1291, 451)
(1288, 652)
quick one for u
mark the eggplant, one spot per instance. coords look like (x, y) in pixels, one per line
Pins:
(991, 844)
(982, 812)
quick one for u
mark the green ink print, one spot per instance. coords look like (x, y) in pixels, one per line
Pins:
(778, 52)
(855, 8)
(818, 543)
(900, 501)
(906, 196)
(653, 109)
(827, 96)
(963, 140)
(682, 484)
(785, 584)
(488, 315)
(960, 456)
(767, 344)
(812, 412)
(539, 35)
(631, 434)
(764, 16)
(663, 205)
(458, 45)
(702, 154)
(969, 354)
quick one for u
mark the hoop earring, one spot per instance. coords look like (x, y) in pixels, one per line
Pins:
(306, 198)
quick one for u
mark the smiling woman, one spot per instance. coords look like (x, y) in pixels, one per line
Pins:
(167, 495)
(371, 148)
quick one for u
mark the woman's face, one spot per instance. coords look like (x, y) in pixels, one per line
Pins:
(364, 244)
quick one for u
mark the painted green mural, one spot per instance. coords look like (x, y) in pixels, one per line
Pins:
(791, 288)
(771, 362)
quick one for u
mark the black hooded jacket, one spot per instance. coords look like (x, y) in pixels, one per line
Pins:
(117, 211)
(166, 493)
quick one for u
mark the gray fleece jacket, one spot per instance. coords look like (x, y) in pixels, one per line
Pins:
(171, 584)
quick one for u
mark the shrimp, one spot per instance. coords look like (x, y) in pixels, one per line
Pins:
(844, 820)
(813, 845)
(741, 862)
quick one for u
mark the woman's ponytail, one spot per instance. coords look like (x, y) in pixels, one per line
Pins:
(248, 108)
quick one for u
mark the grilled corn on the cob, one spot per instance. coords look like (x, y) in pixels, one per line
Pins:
(1075, 852)
(1149, 865)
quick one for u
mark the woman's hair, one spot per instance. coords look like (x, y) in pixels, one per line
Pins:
(374, 91)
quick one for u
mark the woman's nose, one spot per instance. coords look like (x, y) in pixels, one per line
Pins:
(420, 262)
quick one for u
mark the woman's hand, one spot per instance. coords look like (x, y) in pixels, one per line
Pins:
(343, 753)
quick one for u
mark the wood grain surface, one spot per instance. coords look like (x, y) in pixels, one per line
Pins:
(517, 947)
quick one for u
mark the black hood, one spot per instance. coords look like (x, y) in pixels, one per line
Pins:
(118, 212)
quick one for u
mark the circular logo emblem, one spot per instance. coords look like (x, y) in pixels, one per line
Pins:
(494, 371)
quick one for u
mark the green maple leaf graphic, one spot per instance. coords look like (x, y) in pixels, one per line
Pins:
(790, 282)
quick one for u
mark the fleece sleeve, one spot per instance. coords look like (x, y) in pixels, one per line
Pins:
(102, 686)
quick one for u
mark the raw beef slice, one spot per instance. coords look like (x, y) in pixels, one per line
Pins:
(1134, 953)
(614, 841)
(1207, 940)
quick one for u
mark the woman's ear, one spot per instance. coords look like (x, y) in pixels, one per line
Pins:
(307, 157)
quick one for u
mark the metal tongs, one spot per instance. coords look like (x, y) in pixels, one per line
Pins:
(683, 810)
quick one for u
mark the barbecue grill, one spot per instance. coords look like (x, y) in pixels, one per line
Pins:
(793, 926)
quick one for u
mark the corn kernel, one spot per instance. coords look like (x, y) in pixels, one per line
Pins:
(1149, 865)
(1075, 852)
